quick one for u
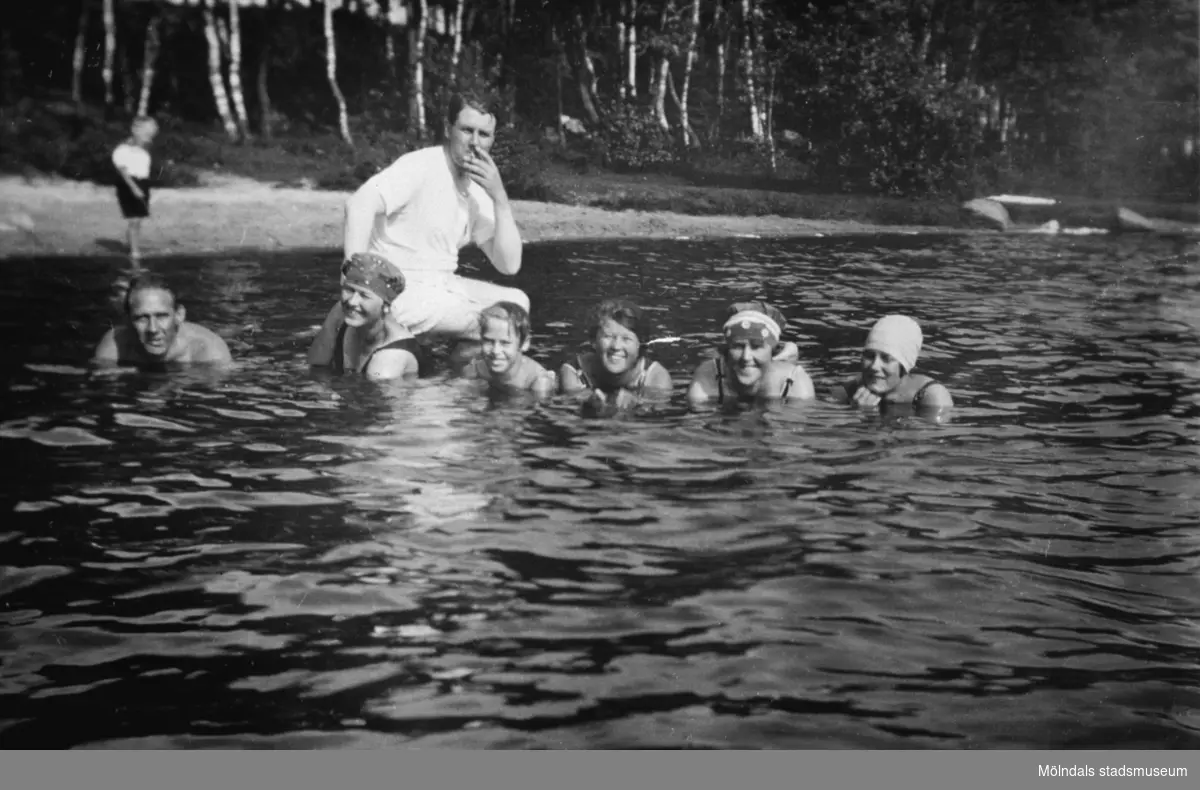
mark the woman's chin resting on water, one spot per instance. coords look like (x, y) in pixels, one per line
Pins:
(886, 379)
(616, 375)
(366, 339)
(505, 334)
(751, 365)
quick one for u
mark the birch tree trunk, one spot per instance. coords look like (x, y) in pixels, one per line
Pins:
(622, 54)
(586, 73)
(214, 71)
(756, 126)
(331, 74)
(721, 22)
(110, 49)
(149, 59)
(660, 92)
(389, 42)
(264, 96)
(631, 48)
(693, 35)
(456, 52)
(78, 59)
(235, 69)
(769, 101)
(416, 87)
(128, 84)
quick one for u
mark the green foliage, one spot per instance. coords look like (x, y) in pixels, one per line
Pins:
(888, 96)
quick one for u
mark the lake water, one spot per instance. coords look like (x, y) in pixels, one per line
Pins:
(276, 558)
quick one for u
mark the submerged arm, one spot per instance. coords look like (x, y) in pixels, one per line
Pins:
(320, 353)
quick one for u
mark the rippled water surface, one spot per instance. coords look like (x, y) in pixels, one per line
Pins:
(272, 557)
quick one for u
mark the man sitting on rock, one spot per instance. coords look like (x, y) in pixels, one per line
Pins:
(425, 207)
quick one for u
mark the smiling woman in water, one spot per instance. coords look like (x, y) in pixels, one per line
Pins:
(367, 339)
(886, 377)
(616, 373)
(751, 365)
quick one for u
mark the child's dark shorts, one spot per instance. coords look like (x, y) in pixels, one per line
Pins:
(132, 206)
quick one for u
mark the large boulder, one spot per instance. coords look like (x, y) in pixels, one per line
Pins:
(995, 214)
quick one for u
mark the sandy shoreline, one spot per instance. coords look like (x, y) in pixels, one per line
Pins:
(68, 218)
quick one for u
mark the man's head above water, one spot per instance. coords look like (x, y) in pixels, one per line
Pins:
(154, 314)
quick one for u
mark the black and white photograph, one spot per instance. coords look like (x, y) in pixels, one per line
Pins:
(612, 375)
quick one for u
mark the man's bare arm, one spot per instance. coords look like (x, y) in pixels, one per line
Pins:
(361, 210)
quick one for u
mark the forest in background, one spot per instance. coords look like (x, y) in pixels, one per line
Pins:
(885, 97)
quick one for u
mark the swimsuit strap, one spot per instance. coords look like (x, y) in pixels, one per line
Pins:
(408, 344)
(583, 376)
(916, 401)
(787, 385)
(338, 362)
(641, 379)
(720, 377)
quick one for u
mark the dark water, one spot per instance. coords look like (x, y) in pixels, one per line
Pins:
(275, 558)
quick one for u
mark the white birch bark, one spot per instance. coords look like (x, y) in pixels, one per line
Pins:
(693, 35)
(214, 71)
(149, 59)
(235, 69)
(78, 58)
(416, 101)
(110, 50)
(331, 74)
(756, 125)
(456, 52)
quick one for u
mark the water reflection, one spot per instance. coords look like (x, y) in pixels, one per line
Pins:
(282, 558)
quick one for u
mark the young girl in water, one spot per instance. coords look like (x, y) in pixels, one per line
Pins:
(616, 372)
(368, 340)
(504, 333)
(750, 365)
(132, 161)
(886, 378)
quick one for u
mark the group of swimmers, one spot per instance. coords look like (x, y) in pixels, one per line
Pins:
(400, 293)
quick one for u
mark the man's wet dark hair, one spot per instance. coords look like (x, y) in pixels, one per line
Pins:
(149, 282)
(476, 101)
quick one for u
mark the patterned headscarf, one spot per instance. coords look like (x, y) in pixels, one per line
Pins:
(754, 321)
(375, 273)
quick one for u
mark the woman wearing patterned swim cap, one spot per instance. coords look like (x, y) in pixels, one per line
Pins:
(367, 339)
(748, 367)
(886, 377)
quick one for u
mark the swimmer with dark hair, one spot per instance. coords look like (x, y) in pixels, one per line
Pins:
(156, 331)
(886, 377)
(367, 339)
(505, 334)
(750, 366)
(616, 374)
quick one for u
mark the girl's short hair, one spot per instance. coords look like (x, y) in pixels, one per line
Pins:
(625, 313)
(514, 314)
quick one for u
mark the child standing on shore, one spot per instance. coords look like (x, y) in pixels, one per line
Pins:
(132, 160)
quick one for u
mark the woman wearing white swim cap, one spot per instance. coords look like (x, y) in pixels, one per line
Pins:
(886, 377)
